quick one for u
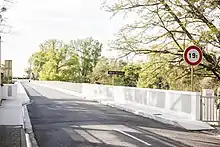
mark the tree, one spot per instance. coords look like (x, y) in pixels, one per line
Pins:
(88, 51)
(37, 60)
(165, 28)
(155, 75)
(55, 61)
(167, 76)
(27, 72)
(131, 74)
(100, 72)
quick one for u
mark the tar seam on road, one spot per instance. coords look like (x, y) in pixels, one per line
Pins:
(133, 137)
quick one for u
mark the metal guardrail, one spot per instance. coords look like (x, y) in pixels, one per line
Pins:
(210, 109)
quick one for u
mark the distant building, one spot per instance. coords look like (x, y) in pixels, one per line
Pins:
(7, 74)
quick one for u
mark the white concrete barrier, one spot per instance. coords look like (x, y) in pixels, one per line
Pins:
(77, 87)
(21, 94)
(9, 91)
(180, 102)
(98, 92)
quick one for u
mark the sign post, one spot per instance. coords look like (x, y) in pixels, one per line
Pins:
(192, 56)
(112, 73)
(8, 71)
(192, 78)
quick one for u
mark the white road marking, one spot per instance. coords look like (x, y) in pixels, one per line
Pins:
(28, 142)
(133, 137)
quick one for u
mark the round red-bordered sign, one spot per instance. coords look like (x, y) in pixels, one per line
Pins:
(193, 55)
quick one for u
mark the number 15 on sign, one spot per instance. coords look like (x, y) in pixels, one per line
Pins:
(192, 56)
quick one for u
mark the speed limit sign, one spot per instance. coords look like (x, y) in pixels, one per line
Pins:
(193, 55)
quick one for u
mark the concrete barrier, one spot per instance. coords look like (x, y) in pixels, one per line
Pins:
(182, 103)
(21, 94)
(9, 90)
(98, 92)
(77, 87)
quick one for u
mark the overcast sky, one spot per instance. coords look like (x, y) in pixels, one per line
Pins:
(34, 21)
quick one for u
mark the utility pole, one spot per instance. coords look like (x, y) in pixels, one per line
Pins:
(1, 70)
(3, 9)
(0, 59)
(30, 73)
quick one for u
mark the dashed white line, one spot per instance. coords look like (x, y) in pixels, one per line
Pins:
(133, 137)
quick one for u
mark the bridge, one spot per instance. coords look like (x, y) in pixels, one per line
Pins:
(53, 113)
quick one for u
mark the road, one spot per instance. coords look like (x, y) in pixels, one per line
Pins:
(62, 120)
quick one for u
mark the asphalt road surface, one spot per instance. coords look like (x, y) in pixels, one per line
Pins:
(62, 120)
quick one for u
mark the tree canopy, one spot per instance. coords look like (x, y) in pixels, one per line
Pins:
(72, 61)
(166, 28)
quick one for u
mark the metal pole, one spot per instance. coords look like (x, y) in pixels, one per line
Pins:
(113, 80)
(30, 72)
(0, 69)
(201, 108)
(218, 116)
(192, 78)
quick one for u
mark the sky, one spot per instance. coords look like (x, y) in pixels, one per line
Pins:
(34, 21)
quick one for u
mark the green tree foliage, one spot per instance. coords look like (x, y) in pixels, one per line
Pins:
(131, 74)
(165, 27)
(154, 75)
(57, 60)
(37, 60)
(58, 56)
(88, 51)
(100, 72)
